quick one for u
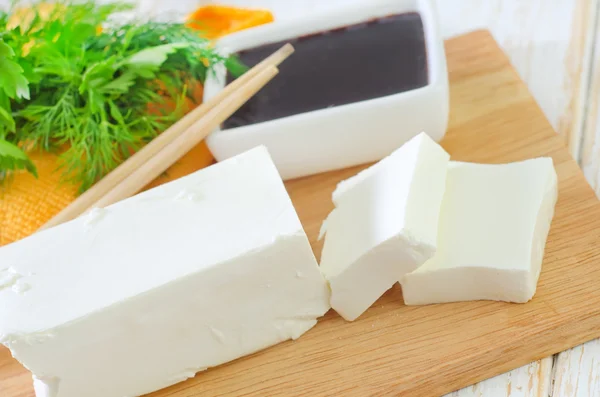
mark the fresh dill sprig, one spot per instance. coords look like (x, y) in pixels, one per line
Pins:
(91, 91)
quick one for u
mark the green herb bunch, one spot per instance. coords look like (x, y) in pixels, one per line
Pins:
(73, 83)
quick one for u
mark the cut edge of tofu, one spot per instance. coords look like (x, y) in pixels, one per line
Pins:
(410, 247)
(525, 282)
(350, 300)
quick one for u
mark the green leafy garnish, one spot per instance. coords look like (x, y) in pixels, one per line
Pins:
(12, 81)
(13, 158)
(13, 85)
(73, 82)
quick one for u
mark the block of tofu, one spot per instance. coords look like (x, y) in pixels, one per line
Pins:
(493, 228)
(384, 224)
(147, 292)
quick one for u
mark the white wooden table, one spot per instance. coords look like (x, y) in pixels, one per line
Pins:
(553, 45)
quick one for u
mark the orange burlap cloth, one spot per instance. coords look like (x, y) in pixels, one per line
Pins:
(26, 203)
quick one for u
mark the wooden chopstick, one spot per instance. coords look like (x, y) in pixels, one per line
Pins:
(89, 198)
(184, 143)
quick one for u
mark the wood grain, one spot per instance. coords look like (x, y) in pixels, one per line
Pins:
(577, 371)
(553, 58)
(431, 350)
(547, 42)
(550, 43)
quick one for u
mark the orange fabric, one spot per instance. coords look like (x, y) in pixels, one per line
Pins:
(26, 203)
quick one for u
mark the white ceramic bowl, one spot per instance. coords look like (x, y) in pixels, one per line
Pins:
(346, 135)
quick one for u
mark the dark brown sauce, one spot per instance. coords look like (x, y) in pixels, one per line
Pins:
(355, 63)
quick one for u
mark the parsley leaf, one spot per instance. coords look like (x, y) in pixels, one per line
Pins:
(12, 79)
(75, 82)
(12, 158)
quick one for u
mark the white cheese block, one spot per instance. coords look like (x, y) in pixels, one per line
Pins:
(493, 228)
(147, 292)
(384, 224)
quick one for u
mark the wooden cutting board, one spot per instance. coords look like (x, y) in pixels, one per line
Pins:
(395, 350)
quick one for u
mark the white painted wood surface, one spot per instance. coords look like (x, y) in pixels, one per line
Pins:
(590, 156)
(554, 46)
(532, 380)
(577, 372)
(546, 41)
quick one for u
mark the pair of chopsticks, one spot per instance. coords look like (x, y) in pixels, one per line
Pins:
(164, 150)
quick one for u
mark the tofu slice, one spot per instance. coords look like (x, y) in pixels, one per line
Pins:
(384, 224)
(147, 292)
(494, 224)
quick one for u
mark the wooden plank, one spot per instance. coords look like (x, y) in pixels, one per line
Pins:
(536, 384)
(532, 380)
(577, 371)
(524, 36)
(549, 54)
(540, 383)
(501, 17)
(15, 381)
(552, 57)
(432, 350)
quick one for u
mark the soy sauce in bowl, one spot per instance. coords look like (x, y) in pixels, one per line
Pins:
(354, 63)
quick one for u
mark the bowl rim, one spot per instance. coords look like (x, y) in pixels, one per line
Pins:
(331, 19)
